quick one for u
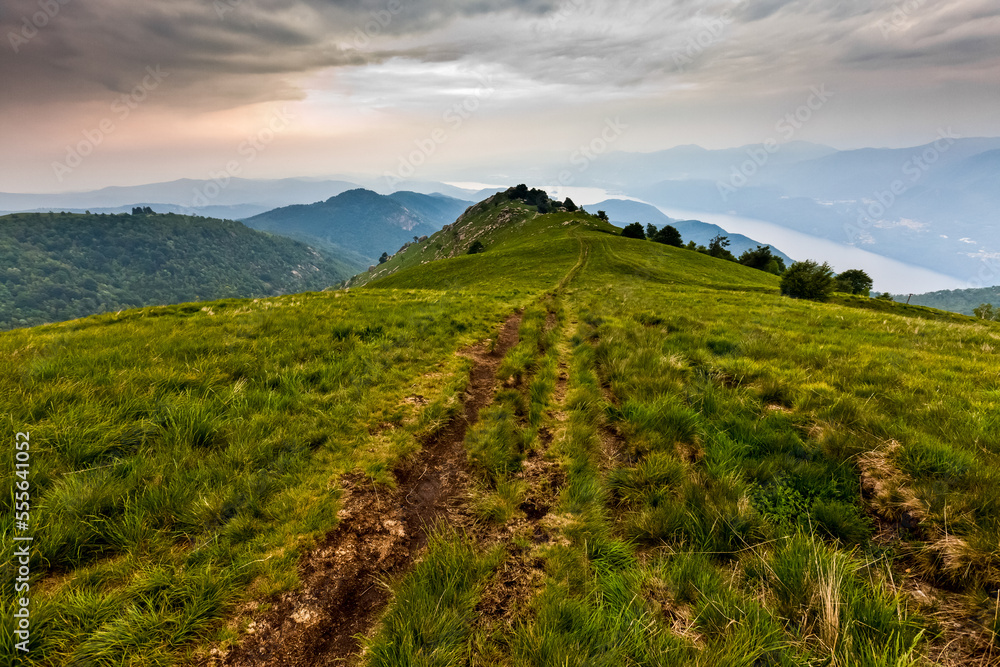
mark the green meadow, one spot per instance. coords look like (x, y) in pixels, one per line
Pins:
(731, 477)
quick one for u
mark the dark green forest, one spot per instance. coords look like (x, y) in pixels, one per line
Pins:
(959, 301)
(60, 266)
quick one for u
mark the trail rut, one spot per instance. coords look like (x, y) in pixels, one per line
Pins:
(379, 534)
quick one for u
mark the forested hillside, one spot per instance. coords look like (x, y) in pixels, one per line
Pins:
(57, 267)
(962, 301)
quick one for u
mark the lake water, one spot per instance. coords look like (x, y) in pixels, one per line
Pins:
(890, 275)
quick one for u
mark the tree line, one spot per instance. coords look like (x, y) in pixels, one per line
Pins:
(801, 280)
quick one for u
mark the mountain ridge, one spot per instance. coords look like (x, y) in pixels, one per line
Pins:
(362, 221)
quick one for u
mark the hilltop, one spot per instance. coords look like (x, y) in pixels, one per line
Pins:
(61, 266)
(569, 448)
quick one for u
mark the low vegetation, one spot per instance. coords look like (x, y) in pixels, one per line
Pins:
(680, 465)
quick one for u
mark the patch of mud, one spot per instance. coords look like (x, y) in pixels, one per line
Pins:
(380, 531)
(512, 588)
(551, 320)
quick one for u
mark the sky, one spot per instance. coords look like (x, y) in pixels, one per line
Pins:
(124, 92)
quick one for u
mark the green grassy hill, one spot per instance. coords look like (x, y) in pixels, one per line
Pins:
(60, 266)
(667, 463)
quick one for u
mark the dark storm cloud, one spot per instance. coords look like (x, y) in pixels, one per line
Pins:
(228, 51)
(225, 53)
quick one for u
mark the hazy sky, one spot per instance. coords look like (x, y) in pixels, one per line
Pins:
(106, 92)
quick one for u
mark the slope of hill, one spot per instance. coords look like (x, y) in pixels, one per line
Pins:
(622, 212)
(63, 266)
(361, 221)
(572, 448)
(958, 301)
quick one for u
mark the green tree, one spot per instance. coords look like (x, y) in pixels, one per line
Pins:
(670, 236)
(763, 259)
(650, 231)
(986, 311)
(384, 258)
(717, 248)
(808, 280)
(569, 205)
(604, 216)
(854, 281)
(632, 231)
(476, 248)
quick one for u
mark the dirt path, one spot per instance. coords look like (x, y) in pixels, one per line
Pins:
(521, 576)
(379, 535)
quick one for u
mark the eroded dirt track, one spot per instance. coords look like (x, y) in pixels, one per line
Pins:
(379, 534)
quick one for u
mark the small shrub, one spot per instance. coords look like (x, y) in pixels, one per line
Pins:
(634, 231)
(808, 280)
(854, 281)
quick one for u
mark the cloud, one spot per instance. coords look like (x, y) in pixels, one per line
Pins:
(703, 67)
(226, 52)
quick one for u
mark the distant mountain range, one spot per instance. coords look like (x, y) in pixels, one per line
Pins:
(361, 222)
(57, 267)
(936, 205)
(623, 211)
(193, 197)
